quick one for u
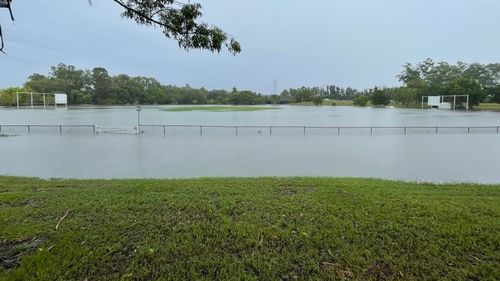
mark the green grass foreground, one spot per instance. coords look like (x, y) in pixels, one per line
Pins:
(241, 228)
(219, 108)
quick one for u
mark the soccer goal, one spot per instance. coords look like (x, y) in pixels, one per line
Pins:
(446, 102)
(33, 100)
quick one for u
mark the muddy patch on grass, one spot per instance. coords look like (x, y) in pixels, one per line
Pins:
(380, 270)
(11, 252)
(287, 191)
(342, 270)
(18, 203)
(291, 190)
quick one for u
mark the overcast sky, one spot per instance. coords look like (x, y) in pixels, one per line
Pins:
(357, 43)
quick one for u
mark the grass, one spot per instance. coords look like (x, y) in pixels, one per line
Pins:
(219, 108)
(488, 106)
(327, 103)
(241, 228)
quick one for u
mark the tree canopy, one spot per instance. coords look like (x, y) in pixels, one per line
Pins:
(98, 87)
(179, 21)
(481, 82)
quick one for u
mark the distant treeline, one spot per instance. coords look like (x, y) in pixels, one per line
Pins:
(96, 86)
(480, 82)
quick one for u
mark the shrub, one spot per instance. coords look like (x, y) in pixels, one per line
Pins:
(360, 101)
(317, 100)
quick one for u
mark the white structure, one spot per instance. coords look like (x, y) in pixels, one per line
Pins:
(433, 101)
(444, 102)
(61, 99)
(58, 99)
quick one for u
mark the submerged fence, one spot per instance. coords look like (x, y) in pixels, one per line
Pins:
(244, 130)
(48, 129)
(314, 130)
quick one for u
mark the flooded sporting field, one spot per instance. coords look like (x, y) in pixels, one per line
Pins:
(455, 154)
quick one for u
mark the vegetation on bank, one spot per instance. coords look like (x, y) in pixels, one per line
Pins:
(218, 108)
(488, 106)
(96, 86)
(327, 102)
(242, 228)
(481, 82)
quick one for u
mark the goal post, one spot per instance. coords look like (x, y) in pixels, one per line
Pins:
(444, 101)
(47, 99)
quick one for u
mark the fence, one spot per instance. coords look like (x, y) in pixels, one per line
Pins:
(49, 129)
(312, 130)
(245, 130)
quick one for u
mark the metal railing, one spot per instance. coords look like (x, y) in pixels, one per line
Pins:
(246, 129)
(40, 128)
(305, 130)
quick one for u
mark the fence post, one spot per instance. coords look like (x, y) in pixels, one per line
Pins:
(437, 130)
(201, 130)
(270, 130)
(498, 128)
(60, 129)
(164, 130)
(93, 129)
(468, 130)
(371, 130)
(29, 130)
(405, 130)
(338, 130)
(236, 127)
(304, 130)
(0, 128)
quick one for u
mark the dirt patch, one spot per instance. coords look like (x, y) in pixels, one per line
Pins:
(11, 252)
(341, 269)
(380, 270)
(18, 203)
(287, 190)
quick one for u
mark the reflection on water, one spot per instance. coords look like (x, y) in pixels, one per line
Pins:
(286, 115)
(223, 152)
(471, 158)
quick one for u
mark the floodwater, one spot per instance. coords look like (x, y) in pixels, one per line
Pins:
(183, 152)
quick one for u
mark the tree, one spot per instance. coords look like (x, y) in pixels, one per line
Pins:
(405, 95)
(41, 84)
(464, 86)
(493, 93)
(380, 97)
(101, 84)
(74, 82)
(317, 100)
(179, 21)
(360, 100)
(410, 76)
(8, 96)
(429, 78)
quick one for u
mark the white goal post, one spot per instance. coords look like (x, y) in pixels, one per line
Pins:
(59, 99)
(444, 102)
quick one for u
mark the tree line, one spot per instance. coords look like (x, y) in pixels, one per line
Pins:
(480, 81)
(98, 87)
(428, 78)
